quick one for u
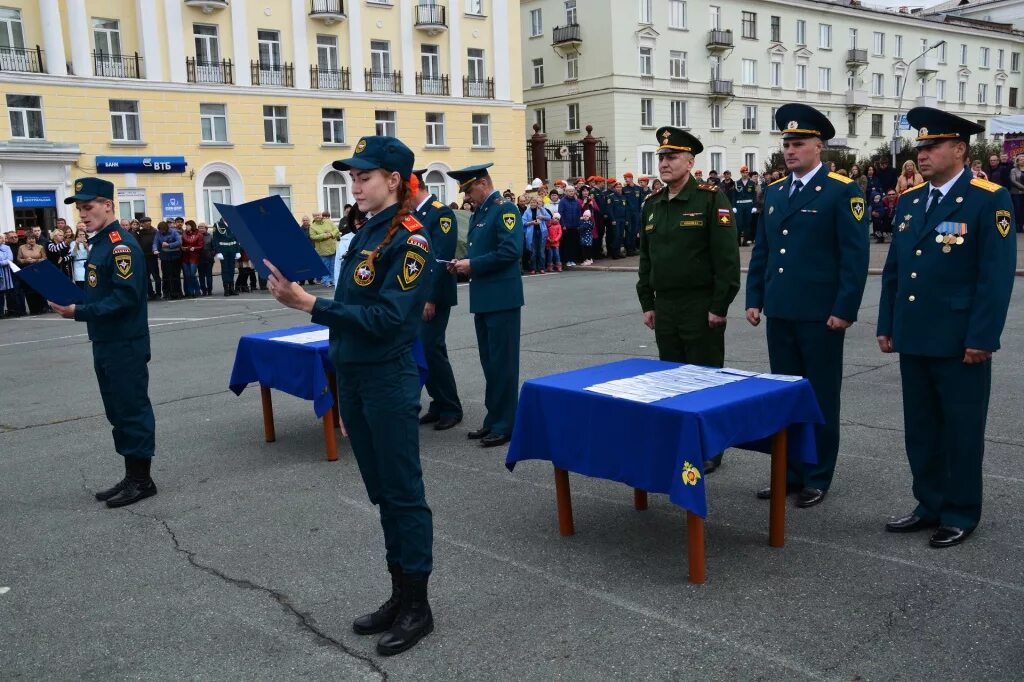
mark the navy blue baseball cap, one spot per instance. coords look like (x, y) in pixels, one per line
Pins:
(935, 126)
(87, 189)
(800, 120)
(380, 151)
(470, 174)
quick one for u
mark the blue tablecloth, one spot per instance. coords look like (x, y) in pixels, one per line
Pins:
(651, 446)
(298, 369)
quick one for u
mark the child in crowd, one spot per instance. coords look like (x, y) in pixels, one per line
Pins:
(246, 280)
(587, 231)
(890, 212)
(878, 216)
(552, 257)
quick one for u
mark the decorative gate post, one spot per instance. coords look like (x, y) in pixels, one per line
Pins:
(538, 154)
(589, 153)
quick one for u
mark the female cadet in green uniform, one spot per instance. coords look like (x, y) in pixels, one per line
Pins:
(374, 317)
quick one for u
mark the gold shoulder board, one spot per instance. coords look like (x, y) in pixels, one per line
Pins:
(986, 185)
(782, 179)
(841, 178)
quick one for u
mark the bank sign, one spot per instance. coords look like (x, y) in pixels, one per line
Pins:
(33, 199)
(140, 164)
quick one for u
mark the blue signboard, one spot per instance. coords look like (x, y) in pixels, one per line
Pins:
(140, 164)
(173, 205)
(904, 123)
(33, 198)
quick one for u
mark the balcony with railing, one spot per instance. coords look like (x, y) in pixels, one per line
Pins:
(208, 6)
(383, 81)
(478, 88)
(329, 79)
(26, 60)
(431, 18)
(432, 84)
(203, 71)
(568, 36)
(280, 75)
(117, 65)
(718, 88)
(857, 98)
(719, 39)
(327, 11)
(856, 57)
(926, 66)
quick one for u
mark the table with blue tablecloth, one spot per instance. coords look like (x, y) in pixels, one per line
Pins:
(661, 446)
(296, 361)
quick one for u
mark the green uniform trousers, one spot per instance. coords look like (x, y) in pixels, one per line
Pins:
(227, 273)
(812, 350)
(124, 387)
(945, 406)
(379, 403)
(497, 336)
(444, 397)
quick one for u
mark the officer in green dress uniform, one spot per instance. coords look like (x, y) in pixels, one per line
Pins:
(227, 250)
(116, 316)
(945, 293)
(689, 261)
(807, 272)
(744, 201)
(495, 244)
(373, 319)
(445, 410)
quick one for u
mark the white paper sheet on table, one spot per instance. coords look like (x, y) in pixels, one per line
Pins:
(780, 377)
(305, 337)
(654, 386)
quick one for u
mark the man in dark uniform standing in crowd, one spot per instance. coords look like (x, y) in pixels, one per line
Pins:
(495, 297)
(618, 219)
(807, 272)
(445, 410)
(146, 235)
(634, 199)
(117, 320)
(689, 261)
(744, 200)
(946, 289)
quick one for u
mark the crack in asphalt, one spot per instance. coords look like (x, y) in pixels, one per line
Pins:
(896, 429)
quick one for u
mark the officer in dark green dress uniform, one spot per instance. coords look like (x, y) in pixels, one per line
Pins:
(373, 319)
(227, 250)
(116, 316)
(689, 261)
(495, 297)
(445, 410)
(945, 292)
(744, 201)
(807, 272)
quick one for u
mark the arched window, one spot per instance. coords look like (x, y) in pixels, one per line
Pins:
(335, 194)
(216, 189)
(436, 185)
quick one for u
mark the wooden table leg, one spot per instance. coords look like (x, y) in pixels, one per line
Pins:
(329, 441)
(695, 548)
(268, 414)
(639, 499)
(332, 381)
(777, 509)
(563, 501)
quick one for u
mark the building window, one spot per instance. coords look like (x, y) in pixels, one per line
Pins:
(283, 191)
(715, 17)
(1012, 101)
(983, 58)
(481, 130)
(216, 190)
(437, 185)
(430, 63)
(335, 193)
(897, 85)
(715, 62)
(940, 90)
(646, 112)
(106, 36)
(824, 79)
(677, 110)
(540, 117)
(801, 32)
(26, 114)
(717, 161)
(207, 44)
(676, 64)
(213, 122)
(750, 117)
(475, 7)
(572, 67)
(825, 36)
(646, 12)
(435, 129)
(647, 163)
(775, 74)
(475, 63)
(982, 93)
(12, 34)
(572, 119)
(1000, 58)
(131, 203)
(853, 39)
(878, 85)
(961, 92)
(385, 122)
(380, 57)
(963, 54)
(749, 71)
(942, 52)
(771, 121)
(776, 24)
(676, 14)
(269, 43)
(897, 45)
(750, 161)
(538, 72)
(275, 124)
(876, 125)
(333, 122)
(646, 61)
(716, 116)
(998, 99)
(801, 76)
(851, 124)
(570, 12)
(878, 44)
(1015, 62)
(749, 25)
(536, 23)
(124, 120)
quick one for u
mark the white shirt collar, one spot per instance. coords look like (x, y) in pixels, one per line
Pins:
(420, 205)
(807, 176)
(949, 185)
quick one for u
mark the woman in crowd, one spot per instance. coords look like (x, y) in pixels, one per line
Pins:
(191, 252)
(79, 253)
(6, 277)
(57, 252)
(908, 178)
(570, 209)
(535, 228)
(1017, 190)
(28, 253)
(860, 179)
(874, 184)
(206, 258)
(977, 171)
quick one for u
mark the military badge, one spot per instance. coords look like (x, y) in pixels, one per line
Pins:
(412, 267)
(690, 474)
(510, 221)
(91, 278)
(364, 274)
(857, 208)
(792, 125)
(771, 209)
(78, 186)
(419, 241)
(123, 261)
(1003, 222)
(725, 216)
(446, 225)
(360, 146)
(115, 236)
(922, 132)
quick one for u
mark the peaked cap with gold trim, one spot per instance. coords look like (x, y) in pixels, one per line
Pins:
(799, 120)
(935, 126)
(672, 140)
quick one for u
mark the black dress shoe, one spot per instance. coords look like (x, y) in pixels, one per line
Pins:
(710, 465)
(493, 439)
(429, 418)
(413, 622)
(766, 493)
(478, 434)
(911, 523)
(134, 490)
(808, 497)
(446, 423)
(383, 618)
(947, 536)
(105, 495)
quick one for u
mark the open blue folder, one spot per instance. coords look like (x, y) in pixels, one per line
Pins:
(50, 283)
(267, 229)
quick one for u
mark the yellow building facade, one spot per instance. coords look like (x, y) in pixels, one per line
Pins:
(187, 103)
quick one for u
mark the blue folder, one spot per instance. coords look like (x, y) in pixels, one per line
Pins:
(51, 283)
(267, 229)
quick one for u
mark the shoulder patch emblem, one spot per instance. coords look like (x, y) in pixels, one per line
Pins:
(841, 178)
(857, 208)
(413, 266)
(986, 185)
(510, 221)
(1003, 222)
(437, 204)
(122, 260)
(419, 241)
(115, 236)
(91, 278)
(446, 225)
(410, 223)
(725, 216)
(364, 274)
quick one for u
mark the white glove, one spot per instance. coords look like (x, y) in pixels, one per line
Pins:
(219, 256)
(734, 210)
(753, 210)
(238, 256)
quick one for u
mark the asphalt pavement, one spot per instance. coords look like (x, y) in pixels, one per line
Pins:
(254, 557)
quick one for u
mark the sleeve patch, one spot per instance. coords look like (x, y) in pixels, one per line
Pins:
(510, 220)
(413, 266)
(446, 225)
(857, 208)
(419, 241)
(122, 260)
(1003, 222)
(725, 216)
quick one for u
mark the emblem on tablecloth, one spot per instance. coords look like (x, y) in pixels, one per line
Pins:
(690, 474)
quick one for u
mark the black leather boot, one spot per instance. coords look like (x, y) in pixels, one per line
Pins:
(138, 485)
(383, 618)
(105, 495)
(414, 620)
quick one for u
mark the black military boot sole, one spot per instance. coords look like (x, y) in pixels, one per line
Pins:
(134, 491)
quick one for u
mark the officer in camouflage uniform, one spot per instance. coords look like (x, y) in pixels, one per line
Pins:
(689, 260)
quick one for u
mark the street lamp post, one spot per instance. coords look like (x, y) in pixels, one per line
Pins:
(899, 107)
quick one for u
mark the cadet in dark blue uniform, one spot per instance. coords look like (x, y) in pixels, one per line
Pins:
(115, 313)
(634, 200)
(744, 202)
(374, 318)
(445, 410)
(227, 250)
(618, 219)
(945, 291)
(495, 297)
(807, 271)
